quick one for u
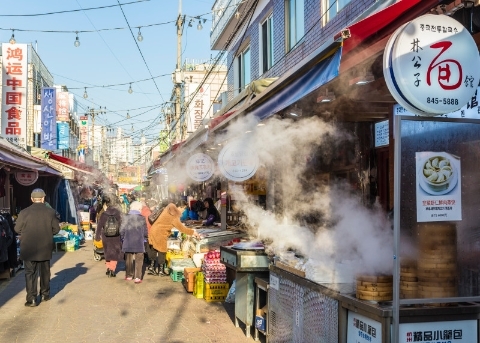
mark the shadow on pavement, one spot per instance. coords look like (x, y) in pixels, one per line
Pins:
(64, 277)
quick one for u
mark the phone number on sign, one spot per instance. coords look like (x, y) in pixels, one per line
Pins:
(445, 101)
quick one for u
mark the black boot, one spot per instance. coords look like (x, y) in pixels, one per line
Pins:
(152, 268)
(161, 271)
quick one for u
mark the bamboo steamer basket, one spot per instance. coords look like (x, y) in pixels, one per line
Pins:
(374, 287)
(437, 260)
(408, 278)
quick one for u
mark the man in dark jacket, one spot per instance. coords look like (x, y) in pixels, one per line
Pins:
(36, 226)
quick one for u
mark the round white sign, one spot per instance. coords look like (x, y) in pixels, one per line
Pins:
(431, 65)
(26, 178)
(200, 167)
(238, 161)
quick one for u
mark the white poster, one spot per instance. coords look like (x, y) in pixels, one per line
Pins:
(460, 331)
(200, 167)
(439, 185)
(199, 106)
(361, 329)
(382, 134)
(237, 161)
(14, 93)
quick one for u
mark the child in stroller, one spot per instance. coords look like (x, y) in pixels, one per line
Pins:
(97, 250)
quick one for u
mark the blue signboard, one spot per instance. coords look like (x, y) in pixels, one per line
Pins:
(49, 123)
(63, 134)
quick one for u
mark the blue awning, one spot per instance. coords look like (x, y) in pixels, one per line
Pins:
(320, 74)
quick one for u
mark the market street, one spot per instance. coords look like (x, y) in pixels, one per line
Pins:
(86, 306)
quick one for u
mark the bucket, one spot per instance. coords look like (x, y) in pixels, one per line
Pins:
(88, 235)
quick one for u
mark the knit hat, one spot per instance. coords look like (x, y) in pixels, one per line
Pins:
(38, 193)
(136, 206)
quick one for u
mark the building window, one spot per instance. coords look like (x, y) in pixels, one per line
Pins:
(332, 7)
(266, 44)
(295, 24)
(243, 69)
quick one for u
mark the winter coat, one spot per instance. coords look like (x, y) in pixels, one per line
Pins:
(112, 246)
(6, 238)
(133, 232)
(162, 228)
(36, 225)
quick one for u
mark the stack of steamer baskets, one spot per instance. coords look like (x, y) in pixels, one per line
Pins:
(374, 287)
(437, 260)
(408, 278)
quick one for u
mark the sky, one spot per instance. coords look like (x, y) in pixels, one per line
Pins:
(111, 57)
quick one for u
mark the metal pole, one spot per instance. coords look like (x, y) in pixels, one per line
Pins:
(92, 113)
(180, 23)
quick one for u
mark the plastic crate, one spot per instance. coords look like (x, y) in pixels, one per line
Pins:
(198, 285)
(176, 276)
(215, 291)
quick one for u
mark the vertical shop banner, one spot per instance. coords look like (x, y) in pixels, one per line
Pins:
(459, 331)
(14, 93)
(63, 106)
(83, 130)
(362, 329)
(63, 133)
(439, 185)
(49, 122)
(199, 105)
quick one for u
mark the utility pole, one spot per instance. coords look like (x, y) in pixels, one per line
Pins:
(178, 77)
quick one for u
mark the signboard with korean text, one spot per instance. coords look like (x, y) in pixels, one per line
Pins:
(14, 93)
(238, 161)
(381, 134)
(49, 123)
(63, 107)
(431, 65)
(63, 132)
(83, 126)
(439, 186)
(361, 329)
(26, 178)
(200, 167)
(199, 106)
(459, 331)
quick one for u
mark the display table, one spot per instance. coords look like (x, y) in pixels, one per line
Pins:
(212, 237)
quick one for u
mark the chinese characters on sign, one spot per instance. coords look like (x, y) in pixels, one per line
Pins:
(438, 183)
(363, 329)
(26, 178)
(461, 331)
(200, 167)
(49, 123)
(432, 69)
(62, 106)
(14, 93)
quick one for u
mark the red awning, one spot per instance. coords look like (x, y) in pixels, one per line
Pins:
(385, 22)
(77, 165)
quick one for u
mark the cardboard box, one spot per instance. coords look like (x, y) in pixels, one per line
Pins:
(260, 323)
(189, 278)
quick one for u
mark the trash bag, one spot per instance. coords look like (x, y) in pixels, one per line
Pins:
(231, 294)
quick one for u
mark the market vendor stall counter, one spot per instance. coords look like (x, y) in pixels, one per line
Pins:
(300, 310)
(213, 237)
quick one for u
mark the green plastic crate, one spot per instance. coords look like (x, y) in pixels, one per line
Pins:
(176, 276)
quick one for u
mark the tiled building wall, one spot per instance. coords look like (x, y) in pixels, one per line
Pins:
(315, 35)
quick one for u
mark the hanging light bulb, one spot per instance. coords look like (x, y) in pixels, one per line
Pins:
(128, 115)
(130, 90)
(77, 41)
(199, 26)
(12, 39)
(85, 95)
(139, 36)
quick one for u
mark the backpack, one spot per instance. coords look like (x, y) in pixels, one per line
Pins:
(112, 228)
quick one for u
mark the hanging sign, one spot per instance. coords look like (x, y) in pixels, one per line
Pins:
(200, 167)
(83, 125)
(63, 133)
(26, 178)
(14, 93)
(439, 185)
(362, 329)
(63, 106)
(458, 331)
(237, 161)
(49, 123)
(431, 65)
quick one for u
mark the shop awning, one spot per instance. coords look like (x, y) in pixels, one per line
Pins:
(71, 163)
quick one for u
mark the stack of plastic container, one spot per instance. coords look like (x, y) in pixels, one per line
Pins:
(214, 271)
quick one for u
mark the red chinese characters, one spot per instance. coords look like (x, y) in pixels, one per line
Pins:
(14, 72)
(444, 68)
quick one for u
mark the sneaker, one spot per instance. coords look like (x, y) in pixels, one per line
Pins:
(137, 280)
(129, 278)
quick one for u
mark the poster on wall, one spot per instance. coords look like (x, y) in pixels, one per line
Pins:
(14, 93)
(200, 167)
(438, 182)
(459, 331)
(362, 329)
(238, 161)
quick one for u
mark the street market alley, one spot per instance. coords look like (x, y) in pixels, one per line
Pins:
(86, 306)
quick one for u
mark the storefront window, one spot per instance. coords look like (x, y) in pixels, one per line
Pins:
(295, 23)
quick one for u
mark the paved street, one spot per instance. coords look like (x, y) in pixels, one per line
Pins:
(86, 306)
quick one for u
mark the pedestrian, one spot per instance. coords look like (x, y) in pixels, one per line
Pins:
(162, 229)
(36, 225)
(133, 232)
(112, 245)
